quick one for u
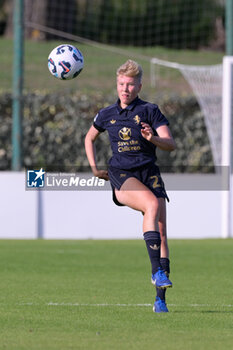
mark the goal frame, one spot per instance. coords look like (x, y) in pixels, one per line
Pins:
(227, 153)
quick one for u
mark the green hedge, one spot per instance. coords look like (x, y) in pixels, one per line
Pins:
(54, 127)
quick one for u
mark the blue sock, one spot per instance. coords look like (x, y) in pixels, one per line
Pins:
(153, 242)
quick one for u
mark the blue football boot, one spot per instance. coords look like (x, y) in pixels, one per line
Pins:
(160, 305)
(160, 280)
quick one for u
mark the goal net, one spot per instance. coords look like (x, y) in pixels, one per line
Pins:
(206, 84)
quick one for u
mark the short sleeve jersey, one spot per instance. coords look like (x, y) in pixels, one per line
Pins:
(129, 148)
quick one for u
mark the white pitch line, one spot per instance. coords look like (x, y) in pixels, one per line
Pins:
(122, 305)
(80, 304)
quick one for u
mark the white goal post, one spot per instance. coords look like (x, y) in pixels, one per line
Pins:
(227, 148)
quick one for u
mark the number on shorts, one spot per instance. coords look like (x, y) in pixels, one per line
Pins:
(156, 180)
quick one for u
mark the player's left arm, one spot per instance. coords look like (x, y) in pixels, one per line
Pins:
(164, 140)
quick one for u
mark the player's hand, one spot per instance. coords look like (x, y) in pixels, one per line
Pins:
(146, 131)
(101, 174)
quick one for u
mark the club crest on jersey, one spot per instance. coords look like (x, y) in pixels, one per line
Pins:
(137, 119)
(125, 133)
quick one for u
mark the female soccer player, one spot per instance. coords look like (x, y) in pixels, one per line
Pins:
(135, 129)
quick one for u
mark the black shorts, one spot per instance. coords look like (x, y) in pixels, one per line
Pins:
(148, 174)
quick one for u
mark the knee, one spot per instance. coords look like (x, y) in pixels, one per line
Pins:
(152, 206)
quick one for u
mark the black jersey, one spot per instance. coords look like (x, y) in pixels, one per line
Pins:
(129, 148)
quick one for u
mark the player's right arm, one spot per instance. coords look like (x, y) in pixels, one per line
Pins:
(90, 138)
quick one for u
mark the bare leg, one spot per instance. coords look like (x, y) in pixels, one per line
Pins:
(163, 229)
(137, 196)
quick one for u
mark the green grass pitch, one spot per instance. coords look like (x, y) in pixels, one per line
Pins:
(96, 295)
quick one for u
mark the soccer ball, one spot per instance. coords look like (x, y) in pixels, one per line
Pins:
(65, 62)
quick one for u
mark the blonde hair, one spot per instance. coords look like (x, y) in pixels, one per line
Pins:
(130, 69)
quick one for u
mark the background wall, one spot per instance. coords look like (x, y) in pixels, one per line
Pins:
(192, 213)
